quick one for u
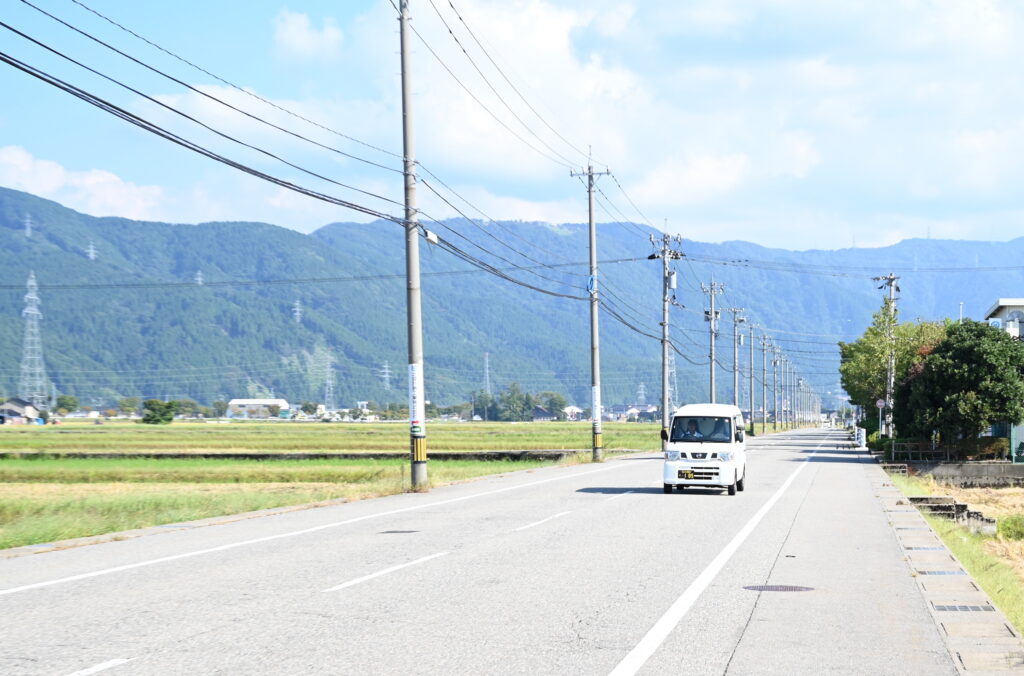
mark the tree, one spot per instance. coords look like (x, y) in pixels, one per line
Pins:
(273, 410)
(186, 407)
(515, 404)
(554, 403)
(129, 404)
(308, 407)
(67, 402)
(156, 412)
(220, 408)
(969, 381)
(864, 362)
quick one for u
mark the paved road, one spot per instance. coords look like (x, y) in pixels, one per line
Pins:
(587, 569)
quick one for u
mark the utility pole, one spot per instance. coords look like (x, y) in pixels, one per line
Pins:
(711, 316)
(775, 390)
(417, 407)
(751, 328)
(668, 285)
(890, 372)
(764, 384)
(736, 321)
(487, 373)
(595, 348)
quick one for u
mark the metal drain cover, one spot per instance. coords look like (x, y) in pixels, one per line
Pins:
(397, 532)
(965, 609)
(778, 588)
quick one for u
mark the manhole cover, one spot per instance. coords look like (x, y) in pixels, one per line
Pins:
(778, 588)
(397, 532)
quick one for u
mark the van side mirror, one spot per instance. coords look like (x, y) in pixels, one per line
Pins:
(739, 435)
(664, 434)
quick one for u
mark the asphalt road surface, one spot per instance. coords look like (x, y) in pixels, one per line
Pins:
(577, 570)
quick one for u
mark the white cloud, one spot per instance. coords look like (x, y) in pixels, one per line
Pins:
(296, 36)
(94, 191)
(694, 180)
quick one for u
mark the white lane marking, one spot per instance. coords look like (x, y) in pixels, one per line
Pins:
(101, 667)
(392, 569)
(304, 531)
(621, 495)
(537, 523)
(651, 641)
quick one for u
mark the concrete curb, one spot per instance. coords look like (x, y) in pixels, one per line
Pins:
(978, 636)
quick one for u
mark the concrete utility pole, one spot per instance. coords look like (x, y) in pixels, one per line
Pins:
(595, 348)
(764, 384)
(668, 285)
(417, 406)
(711, 316)
(751, 328)
(890, 371)
(775, 389)
(736, 321)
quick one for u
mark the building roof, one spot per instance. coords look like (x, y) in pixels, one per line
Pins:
(1001, 303)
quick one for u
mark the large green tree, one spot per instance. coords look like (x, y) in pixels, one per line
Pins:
(865, 360)
(156, 412)
(68, 402)
(969, 381)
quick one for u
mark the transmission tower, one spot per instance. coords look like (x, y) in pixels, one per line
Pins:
(28, 225)
(641, 394)
(385, 375)
(297, 311)
(32, 387)
(90, 251)
(487, 373)
(198, 279)
(329, 385)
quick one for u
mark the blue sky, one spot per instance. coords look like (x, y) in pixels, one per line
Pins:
(787, 123)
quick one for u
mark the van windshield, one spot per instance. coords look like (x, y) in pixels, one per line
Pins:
(702, 429)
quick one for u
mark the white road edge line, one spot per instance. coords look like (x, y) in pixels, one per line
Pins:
(537, 523)
(621, 495)
(101, 667)
(304, 531)
(651, 641)
(358, 580)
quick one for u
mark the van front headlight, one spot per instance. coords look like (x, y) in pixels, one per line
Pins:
(725, 456)
(671, 455)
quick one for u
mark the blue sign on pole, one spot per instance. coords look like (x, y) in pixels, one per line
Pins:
(591, 283)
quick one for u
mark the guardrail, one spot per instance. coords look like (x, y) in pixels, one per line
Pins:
(909, 451)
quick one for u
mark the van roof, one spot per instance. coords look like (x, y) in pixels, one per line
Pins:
(722, 410)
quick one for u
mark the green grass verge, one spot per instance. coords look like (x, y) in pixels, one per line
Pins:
(910, 486)
(997, 577)
(46, 499)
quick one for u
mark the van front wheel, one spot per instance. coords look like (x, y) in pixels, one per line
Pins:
(667, 488)
(742, 483)
(732, 486)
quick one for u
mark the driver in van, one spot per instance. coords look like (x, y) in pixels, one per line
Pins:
(691, 430)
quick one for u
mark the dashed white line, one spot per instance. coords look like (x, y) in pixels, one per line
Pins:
(304, 531)
(620, 495)
(359, 580)
(653, 639)
(537, 523)
(101, 667)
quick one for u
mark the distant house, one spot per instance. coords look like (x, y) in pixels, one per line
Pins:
(17, 411)
(255, 408)
(1007, 314)
(573, 413)
(541, 414)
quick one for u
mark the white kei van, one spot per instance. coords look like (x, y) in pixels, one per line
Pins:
(705, 447)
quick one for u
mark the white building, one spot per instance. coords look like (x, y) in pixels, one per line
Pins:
(1007, 314)
(255, 408)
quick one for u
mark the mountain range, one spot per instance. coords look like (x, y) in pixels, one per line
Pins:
(275, 306)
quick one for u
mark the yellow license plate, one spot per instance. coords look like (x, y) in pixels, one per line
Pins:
(685, 474)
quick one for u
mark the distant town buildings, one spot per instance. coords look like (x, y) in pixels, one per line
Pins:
(1007, 314)
(257, 408)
